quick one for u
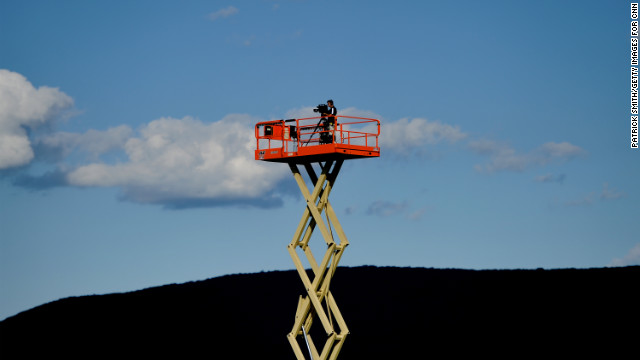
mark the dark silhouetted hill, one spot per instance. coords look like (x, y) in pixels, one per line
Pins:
(392, 313)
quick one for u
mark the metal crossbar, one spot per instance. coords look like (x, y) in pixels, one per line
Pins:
(317, 289)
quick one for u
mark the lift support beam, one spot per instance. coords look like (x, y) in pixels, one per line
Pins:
(307, 143)
(318, 302)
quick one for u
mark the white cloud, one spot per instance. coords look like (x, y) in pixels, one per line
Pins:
(223, 13)
(589, 199)
(403, 136)
(249, 41)
(586, 200)
(610, 194)
(550, 178)
(93, 142)
(15, 149)
(503, 157)
(417, 215)
(631, 258)
(406, 135)
(185, 162)
(23, 106)
(551, 150)
(349, 210)
(385, 208)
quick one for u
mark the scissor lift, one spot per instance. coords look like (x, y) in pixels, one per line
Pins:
(305, 142)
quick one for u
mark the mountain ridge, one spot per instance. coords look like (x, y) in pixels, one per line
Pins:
(391, 312)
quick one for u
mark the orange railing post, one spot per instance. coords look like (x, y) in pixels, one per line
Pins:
(350, 135)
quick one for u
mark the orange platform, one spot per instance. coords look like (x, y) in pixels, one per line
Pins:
(317, 139)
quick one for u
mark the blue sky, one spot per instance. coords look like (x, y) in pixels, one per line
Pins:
(126, 137)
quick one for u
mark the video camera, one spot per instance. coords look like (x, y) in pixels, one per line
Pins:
(322, 109)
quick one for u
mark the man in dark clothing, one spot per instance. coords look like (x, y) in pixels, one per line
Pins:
(329, 122)
(333, 111)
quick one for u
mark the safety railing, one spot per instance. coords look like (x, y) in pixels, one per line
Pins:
(290, 135)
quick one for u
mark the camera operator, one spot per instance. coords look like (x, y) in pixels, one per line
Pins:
(332, 111)
(330, 120)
